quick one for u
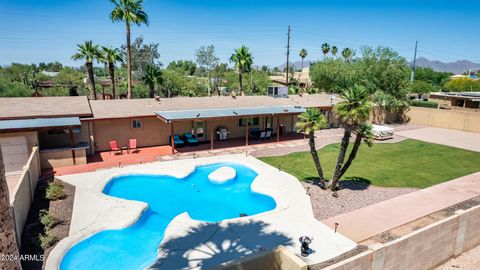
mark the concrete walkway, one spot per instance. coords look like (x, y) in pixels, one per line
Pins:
(455, 138)
(361, 224)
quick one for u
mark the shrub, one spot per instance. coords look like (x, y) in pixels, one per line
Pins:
(47, 220)
(54, 191)
(426, 104)
(46, 240)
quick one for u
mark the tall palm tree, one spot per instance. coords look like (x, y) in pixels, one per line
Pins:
(325, 50)
(151, 77)
(243, 63)
(334, 51)
(346, 53)
(89, 52)
(129, 11)
(303, 53)
(309, 122)
(364, 133)
(353, 112)
(110, 57)
(8, 243)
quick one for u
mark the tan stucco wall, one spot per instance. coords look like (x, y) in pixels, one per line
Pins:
(451, 119)
(31, 136)
(278, 259)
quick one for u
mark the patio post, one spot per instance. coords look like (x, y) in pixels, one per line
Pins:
(211, 134)
(172, 142)
(72, 144)
(278, 128)
(246, 131)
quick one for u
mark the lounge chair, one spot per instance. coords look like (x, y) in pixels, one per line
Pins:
(254, 132)
(114, 148)
(132, 146)
(262, 135)
(268, 136)
(190, 139)
(177, 141)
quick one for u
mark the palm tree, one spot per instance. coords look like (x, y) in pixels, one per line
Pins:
(243, 63)
(303, 53)
(151, 77)
(129, 11)
(110, 57)
(309, 122)
(364, 133)
(334, 50)
(346, 53)
(89, 52)
(8, 243)
(325, 50)
(353, 112)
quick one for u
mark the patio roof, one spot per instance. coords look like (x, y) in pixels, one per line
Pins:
(179, 115)
(38, 123)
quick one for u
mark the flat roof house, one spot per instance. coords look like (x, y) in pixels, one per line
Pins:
(67, 129)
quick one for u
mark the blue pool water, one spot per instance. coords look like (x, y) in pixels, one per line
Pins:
(135, 247)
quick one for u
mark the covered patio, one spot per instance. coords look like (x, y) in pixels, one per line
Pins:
(246, 117)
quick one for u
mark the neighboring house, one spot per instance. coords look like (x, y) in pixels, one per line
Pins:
(69, 128)
(302, 77)
(448, 100)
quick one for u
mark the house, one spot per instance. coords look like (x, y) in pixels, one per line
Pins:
(67, 129)
(456, 99)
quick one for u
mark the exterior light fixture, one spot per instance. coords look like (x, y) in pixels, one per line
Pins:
(336, 226)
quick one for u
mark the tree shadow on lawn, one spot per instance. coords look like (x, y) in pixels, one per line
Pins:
(352, 183)
(209, 245)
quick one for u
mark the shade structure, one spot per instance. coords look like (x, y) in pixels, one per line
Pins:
(38, 123)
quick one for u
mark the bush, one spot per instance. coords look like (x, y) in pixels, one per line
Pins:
(46, 240)
(54, 191)
(426, 104)
(47, 220)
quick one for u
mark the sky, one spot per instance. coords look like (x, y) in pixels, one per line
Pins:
(33, 31)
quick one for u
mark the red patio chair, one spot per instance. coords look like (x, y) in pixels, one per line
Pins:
(114, 147)
(132, 145)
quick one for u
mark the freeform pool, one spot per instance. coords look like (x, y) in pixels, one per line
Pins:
(135, 247)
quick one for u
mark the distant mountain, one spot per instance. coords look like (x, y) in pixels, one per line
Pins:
(297, 64)
(457, 67)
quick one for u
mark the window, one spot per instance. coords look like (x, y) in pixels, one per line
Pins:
(136, 123)
(251, 121)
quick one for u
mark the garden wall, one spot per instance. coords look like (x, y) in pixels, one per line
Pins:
(22, 196)
(451, 119)
(421, 249)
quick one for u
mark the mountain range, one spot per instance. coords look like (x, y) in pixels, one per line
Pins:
(457, 67)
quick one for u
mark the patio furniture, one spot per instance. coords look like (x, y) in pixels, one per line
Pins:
(254, 132)
(114, 148)
(268, 136)
(190, 139)
(177, 141)
(132, 146)
(263, 135)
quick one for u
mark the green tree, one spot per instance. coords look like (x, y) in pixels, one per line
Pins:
(243, 63)
(420, 88)
(333, 75)
(88, 52)
(309, 122)
(110, 57)
(205, 57)
(143, 55)
(129, 11)
(303, 53)
(462, 85)
(325, 50)
(334, 51)
(347, 53)
(151, 77)
(353, 112)
(186, 67)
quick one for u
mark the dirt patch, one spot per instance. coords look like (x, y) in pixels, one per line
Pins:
(61, 210)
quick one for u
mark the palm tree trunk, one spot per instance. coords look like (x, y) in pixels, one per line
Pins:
(91, 80)
(240, 82)
(352, 155)
(302, 63)
(341, 157)
(111, 69)
(316, 160)
(8, 243)
(151, 90)
(129, 64)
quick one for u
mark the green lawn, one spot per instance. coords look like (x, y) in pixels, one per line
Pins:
(409, 163)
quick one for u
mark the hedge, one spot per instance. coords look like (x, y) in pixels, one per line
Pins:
(426, 104)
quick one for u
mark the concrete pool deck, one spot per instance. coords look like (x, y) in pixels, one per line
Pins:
(190, 244)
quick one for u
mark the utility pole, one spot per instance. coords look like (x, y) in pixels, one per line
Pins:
(412, 77)
(288, 53)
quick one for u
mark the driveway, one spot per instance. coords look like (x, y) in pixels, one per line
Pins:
(455, 138)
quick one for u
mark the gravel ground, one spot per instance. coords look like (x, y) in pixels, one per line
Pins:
(353, 195)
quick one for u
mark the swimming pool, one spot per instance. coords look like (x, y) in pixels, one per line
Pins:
(135, 247)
